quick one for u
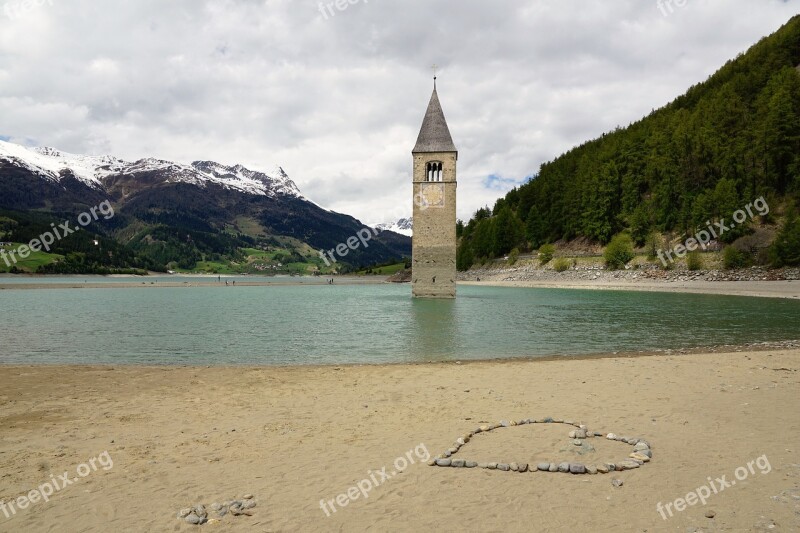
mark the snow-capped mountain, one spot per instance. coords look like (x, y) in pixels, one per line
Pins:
(168, 212)
(51, 164)
(404, 226)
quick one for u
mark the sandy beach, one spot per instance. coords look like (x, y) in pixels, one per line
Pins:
(765, 289)
(127, 282)
(762, 289)
(294, 436)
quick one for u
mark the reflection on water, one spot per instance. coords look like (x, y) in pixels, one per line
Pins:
(435, 330)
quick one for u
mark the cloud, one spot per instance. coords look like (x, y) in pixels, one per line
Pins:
(338, 101)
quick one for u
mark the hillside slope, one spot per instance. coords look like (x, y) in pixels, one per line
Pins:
(720, 146)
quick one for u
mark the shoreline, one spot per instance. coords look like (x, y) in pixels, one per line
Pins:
(200, 282)
(787, 289)
(787, 345)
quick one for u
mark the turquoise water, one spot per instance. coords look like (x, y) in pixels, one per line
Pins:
(305, 324)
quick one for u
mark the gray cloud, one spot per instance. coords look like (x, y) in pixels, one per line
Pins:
(338, 101)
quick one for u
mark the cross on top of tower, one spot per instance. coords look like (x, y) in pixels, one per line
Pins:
(435, 68)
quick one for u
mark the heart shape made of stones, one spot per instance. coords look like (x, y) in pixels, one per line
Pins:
(641, 454)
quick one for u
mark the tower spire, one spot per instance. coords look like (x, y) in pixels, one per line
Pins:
(434, 136)
(435, 68)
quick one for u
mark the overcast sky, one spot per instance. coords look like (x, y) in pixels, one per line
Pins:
(336, 97)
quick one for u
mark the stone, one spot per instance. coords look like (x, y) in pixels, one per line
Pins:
(504, 424)
(523, 467)
(544, 467)
(484, 428)
(577, 442)
(514, 467)
(548, 420)
(611, 436)
(248, 496)
(470, 464)
(558, 421)
(216, 506)
(504, 467)
(492, 466)
(563, 467)
(640, 457)
(483, 465)
(200, 511)
(572, 434)
(598, 434)
(569, 422)
(451, 451)
(591, 469)
(629, 465)
(580, 434)
(443, 462)
(183, 513)
(647, 453)
(458, 463)
(222, 512)
(617, 482)
(577, 468)
(194, 519)
(446, 454)
(249, 504)
(710, 514)
(461, 441)
(553, 468)
(640, 446)
(603, 469)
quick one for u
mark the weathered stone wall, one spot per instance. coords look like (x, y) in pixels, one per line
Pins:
(434, 241)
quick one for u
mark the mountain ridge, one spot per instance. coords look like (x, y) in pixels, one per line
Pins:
(171, 215)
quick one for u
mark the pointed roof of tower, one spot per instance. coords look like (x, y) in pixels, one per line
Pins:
(434, 136)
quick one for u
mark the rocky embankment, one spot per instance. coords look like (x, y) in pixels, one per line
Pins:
(531, 272)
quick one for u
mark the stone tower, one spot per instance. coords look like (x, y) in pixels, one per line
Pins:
(434, 241)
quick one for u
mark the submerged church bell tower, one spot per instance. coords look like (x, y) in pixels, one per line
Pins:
(433, 270)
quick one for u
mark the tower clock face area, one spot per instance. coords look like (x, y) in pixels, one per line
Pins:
(432, 195)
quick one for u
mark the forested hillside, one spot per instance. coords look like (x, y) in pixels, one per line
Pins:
(725, 143)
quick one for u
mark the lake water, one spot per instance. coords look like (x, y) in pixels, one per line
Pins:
(303, 324)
